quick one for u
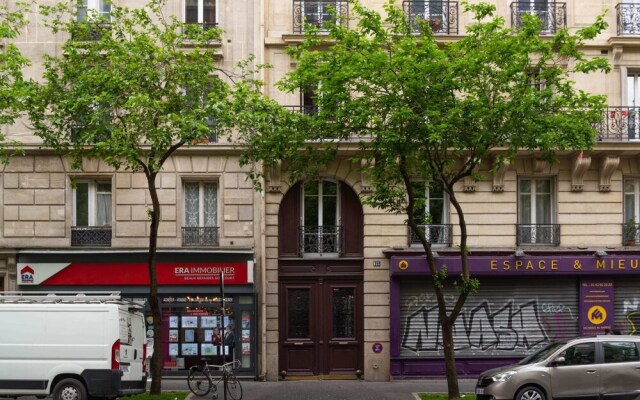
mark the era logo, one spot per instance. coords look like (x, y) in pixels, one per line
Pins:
(26, 274)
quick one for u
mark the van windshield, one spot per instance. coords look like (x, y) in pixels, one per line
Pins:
(541, 354)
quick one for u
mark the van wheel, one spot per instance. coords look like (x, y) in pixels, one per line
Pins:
(69, 389)
(530, 393)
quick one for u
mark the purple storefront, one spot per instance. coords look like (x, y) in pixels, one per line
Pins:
(522, 304)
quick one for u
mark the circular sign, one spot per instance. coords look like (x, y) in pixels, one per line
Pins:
(597, 315)
(377, 347)
(403, 264)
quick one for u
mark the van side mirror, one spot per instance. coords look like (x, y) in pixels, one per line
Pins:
(558, 361)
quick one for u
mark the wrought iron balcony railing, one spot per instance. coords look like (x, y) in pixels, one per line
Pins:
(308, 110)
(619, 124)
(200, 236)
(441, 15)
(317, 12)
(435, 233)
(89, 31)
(552, 15)
(326, 239)
(91, 236)
(541, 234)
(628, 18)
(631, 234)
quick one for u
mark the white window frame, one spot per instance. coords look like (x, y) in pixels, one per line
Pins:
(200, 12)
(92, 199)
(201, 203)
(320, 223)
(446, 217)
(635, 192)
(534, 217)
(97, 6)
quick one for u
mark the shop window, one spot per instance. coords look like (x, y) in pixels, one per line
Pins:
(200, 12)
(91, 213)
(320, 233)
(431, 213)
(200, 214)
(536, 212)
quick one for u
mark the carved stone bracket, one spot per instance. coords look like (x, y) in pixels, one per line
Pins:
(580, 166)
(608, 165)
(540, 166)
(470, 185)
(274, 178)
(498, 177)
(365, 185)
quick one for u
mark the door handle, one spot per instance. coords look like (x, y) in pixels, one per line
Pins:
(591, 371)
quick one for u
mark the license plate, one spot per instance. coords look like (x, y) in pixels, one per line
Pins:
(479, 390)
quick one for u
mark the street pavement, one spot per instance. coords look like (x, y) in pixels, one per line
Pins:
(332, 389)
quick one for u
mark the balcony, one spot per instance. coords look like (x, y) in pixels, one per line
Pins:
(89, 32)
(538, 234)
(307, 110)
(441, 15)
(318, 12)
(91, 236)
(436, 234)
(553, 16)
(620, 124)
(321, 240)
(628, 18)
(200, 236)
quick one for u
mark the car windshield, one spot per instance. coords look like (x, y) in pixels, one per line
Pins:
(541, 354)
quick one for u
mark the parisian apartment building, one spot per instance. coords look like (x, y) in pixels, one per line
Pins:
(344, 291)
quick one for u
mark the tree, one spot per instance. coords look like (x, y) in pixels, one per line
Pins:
(428, 111)
(129, 89)
(13, 86)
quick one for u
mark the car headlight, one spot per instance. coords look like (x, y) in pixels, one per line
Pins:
(503, 376)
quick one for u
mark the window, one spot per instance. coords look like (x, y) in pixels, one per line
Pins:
(100, 8)
(200, 214)
(200, 12)
(320, 218)
(308, 103)
(197, 99)
(631, 210)
(543, 9)
(91, 213)
(628, 17)
(431, 11)
(536, 212)
(580, 354)
(317, 12)
(432, 213)
(633, 103)
(615, 352)
(92, 203)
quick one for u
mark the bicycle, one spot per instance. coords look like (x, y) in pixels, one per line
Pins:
(201, 382)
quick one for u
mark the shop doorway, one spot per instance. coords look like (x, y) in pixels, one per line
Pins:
(321, 328)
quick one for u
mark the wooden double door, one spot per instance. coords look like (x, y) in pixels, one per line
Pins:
(321, 327)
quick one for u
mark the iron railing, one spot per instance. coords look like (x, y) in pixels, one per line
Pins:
(630, 234)
(91, 236)
(308, 110)
(441, 15)
(317, 12)
(619, 124)
(435, 233)
(326, 239)
(87, 32)
(540, 234)
(200, 236)
(552, 15)
(628, 18)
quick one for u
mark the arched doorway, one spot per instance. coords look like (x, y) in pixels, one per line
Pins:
(320, 272)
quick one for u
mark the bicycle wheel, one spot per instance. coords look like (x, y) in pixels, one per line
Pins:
(234, 388)
(199, 382)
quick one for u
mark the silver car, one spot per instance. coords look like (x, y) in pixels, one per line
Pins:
(596, 367)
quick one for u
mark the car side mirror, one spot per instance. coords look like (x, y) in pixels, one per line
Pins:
(558, 361)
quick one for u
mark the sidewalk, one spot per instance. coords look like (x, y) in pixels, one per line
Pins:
(341, 390)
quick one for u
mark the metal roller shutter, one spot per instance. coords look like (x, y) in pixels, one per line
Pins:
(627, 304)
(507, 317)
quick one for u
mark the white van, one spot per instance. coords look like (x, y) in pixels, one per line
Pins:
(71, 346)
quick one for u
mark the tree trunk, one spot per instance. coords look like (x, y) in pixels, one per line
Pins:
(156, 360)
(450, 359)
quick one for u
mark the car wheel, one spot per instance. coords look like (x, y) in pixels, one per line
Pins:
(531, 393)
(69, 389)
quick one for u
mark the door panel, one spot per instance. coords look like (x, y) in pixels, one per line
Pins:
(321, 327)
